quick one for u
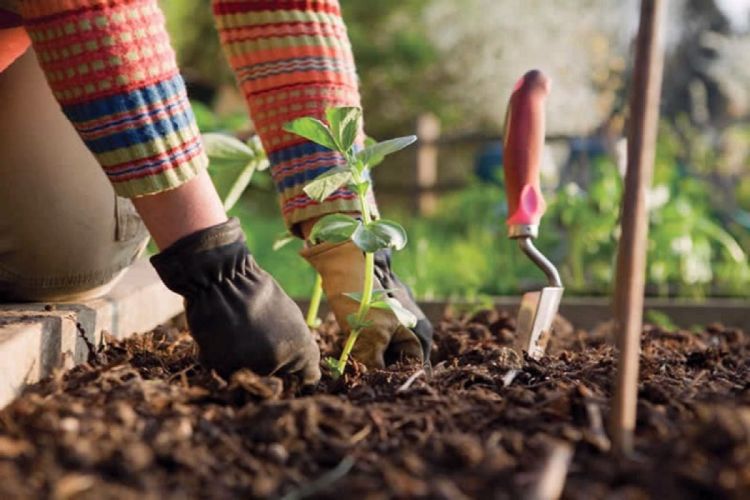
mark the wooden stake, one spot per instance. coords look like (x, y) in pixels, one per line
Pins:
(631, 255)
(428, 131)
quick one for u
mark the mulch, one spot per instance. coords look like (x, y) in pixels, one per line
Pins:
(143, 420)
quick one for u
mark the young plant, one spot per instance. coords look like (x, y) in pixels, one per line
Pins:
(340, 134)
(233, 164)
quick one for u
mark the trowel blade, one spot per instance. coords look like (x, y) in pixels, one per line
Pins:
(534, 324)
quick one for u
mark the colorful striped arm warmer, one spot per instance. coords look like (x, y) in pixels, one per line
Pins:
(112, 68)
(292, 58)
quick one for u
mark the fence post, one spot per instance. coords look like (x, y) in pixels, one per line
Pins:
(428, 132)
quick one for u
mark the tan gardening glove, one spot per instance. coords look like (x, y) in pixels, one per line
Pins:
(342, 267)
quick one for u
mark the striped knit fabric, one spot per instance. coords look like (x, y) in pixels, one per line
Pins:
(111, 67)
(292, 58)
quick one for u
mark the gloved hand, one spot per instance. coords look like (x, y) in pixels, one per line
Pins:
(237, 313)
(342, 267)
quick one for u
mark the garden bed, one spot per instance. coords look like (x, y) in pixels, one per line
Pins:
(141, 419)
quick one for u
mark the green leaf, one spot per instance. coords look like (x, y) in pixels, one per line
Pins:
(724, 238)
(351, 319)
(239, 186)
(404, 316)
(345, 123)
(377, 295)
(283, 240)
(314, 130)
(362, 187)
(367, 240)
(355, 296)
(256, 145)
(226, 147)
(326, 184)
(390, 232)
(369, 141)
(372, 155)
(233, 164)
(380, 234)
(334, 228)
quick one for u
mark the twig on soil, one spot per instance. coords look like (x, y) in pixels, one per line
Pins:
(360, 435)
(596, 422)
(594, 414)
(182, 375)
(509, 377)
(552, 478)
(411, 380)
(323, 482)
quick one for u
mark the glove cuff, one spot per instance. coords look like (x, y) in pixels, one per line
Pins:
(203, 258)
(342, 265)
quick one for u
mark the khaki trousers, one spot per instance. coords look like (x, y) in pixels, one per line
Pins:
(64, 235)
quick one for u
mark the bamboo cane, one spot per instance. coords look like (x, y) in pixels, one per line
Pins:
(631, 255)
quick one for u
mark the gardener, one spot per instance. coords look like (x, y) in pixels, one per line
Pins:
(66, 235)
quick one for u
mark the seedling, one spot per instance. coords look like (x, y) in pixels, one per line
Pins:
(233, 164)
(312, 311)
(340, 134)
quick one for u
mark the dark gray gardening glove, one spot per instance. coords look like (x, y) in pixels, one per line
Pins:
(401, 292)
(237, 313)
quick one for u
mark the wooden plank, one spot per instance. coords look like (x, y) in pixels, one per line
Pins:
(588, 313)
(36, 338)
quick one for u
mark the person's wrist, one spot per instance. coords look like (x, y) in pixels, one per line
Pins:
(200, 258)
(172, 215)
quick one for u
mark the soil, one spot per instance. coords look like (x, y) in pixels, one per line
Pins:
(143, 420)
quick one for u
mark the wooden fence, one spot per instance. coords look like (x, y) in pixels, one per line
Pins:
(427, 186)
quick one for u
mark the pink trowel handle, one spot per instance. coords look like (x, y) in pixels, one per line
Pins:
(522, 153)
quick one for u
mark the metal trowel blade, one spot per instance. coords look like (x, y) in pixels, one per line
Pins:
(534, 324)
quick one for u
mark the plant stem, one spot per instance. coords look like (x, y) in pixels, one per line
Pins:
(317, 293)
(364, 305)
(364, 308)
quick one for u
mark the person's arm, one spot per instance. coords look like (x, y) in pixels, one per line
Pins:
(293, 58)
(111, 67)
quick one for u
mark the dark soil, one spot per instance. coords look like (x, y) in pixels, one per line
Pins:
(142, 420)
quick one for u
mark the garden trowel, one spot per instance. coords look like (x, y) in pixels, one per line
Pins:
(522, 153)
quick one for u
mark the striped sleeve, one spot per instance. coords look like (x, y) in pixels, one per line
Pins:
(111, 67)
(292, 58)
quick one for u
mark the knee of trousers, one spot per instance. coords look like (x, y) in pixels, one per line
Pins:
(63, 232)
(64, 259)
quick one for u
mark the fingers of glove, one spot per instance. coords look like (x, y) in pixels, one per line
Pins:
(309, 364)
(404, 295)
(404, 346)
(369, 349)
(424, 332)
(310, 374)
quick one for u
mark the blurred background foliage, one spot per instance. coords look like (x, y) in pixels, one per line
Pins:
(459, 60)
